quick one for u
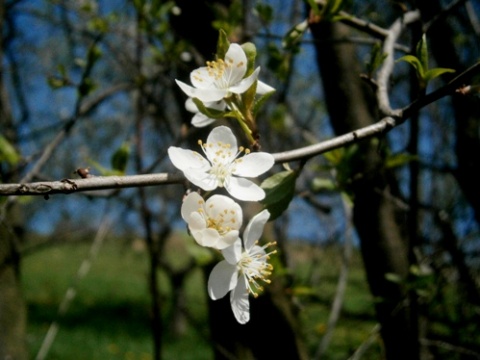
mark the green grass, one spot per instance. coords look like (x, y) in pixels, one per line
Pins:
(110, 316)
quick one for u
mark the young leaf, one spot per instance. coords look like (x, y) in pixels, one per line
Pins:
(422, 52)
(260, 101)
(416, 63)
(400, 159)
(377, 57)
(331, 9)
(264, 12)
(294, 35)
(222, 45)
(120, 158)
(211, 113)
(279, 191)
(8, 152)
(435, 72)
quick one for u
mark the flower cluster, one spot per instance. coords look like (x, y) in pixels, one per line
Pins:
(215, 84)
(216, 220)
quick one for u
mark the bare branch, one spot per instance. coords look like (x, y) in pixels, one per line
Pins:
(387, 67)
(391, 119)
(359, 24)
(68, 186)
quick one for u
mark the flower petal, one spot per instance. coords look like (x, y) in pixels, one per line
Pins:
(191, 203)
(254, 164)
(239, 301)
(206, 237)
(221, 134)
(201, 78)
(225, 209)
(263, 88)
(236, 65)
(185, 159)
(245, 84)
(233, 253)
(222, 279)
(205, 95)
(254, 229)
(244, 189)
(227, 240)
(200, 120)
(196, 222)
(201, 179)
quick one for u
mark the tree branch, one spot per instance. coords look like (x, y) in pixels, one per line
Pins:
(391, 119)
(381, 127)
(68, 186)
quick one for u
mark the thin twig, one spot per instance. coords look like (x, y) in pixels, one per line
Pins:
(357, 355)
(341, 284)
(117, 182)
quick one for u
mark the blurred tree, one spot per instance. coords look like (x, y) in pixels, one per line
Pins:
(112, 105)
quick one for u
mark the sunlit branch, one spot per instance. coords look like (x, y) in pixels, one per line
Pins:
(68, 186)
(117, 182)
(385, 71)
(391, 119)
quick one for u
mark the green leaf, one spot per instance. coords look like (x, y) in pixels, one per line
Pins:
(103, 171)
(56, 82)
(422, 52)
(314, 6)
(86, 87)
(279, 191)
(222, 45)
(416, 63)
(248, 97)
(435, 72)
(323, 184)
(294, 35)
(8, 152)
(119, 158)
(377, 57)
(331, 9)
(264, 12)
(397, 160)
(393, 278)
(260, 101)
(211, 113)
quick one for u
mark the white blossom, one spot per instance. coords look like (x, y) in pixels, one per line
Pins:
(243, 270)
(213, 223)
(223, 165)
(220, 78)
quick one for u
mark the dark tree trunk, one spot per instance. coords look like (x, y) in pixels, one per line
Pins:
(441, 38)
(12, 305)
(383, 244)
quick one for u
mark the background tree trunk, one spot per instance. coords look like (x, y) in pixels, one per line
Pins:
(12, 306)
(383, 245)
(466, 109)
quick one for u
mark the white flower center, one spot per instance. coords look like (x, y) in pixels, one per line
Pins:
(255, 268)
(223, 161)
